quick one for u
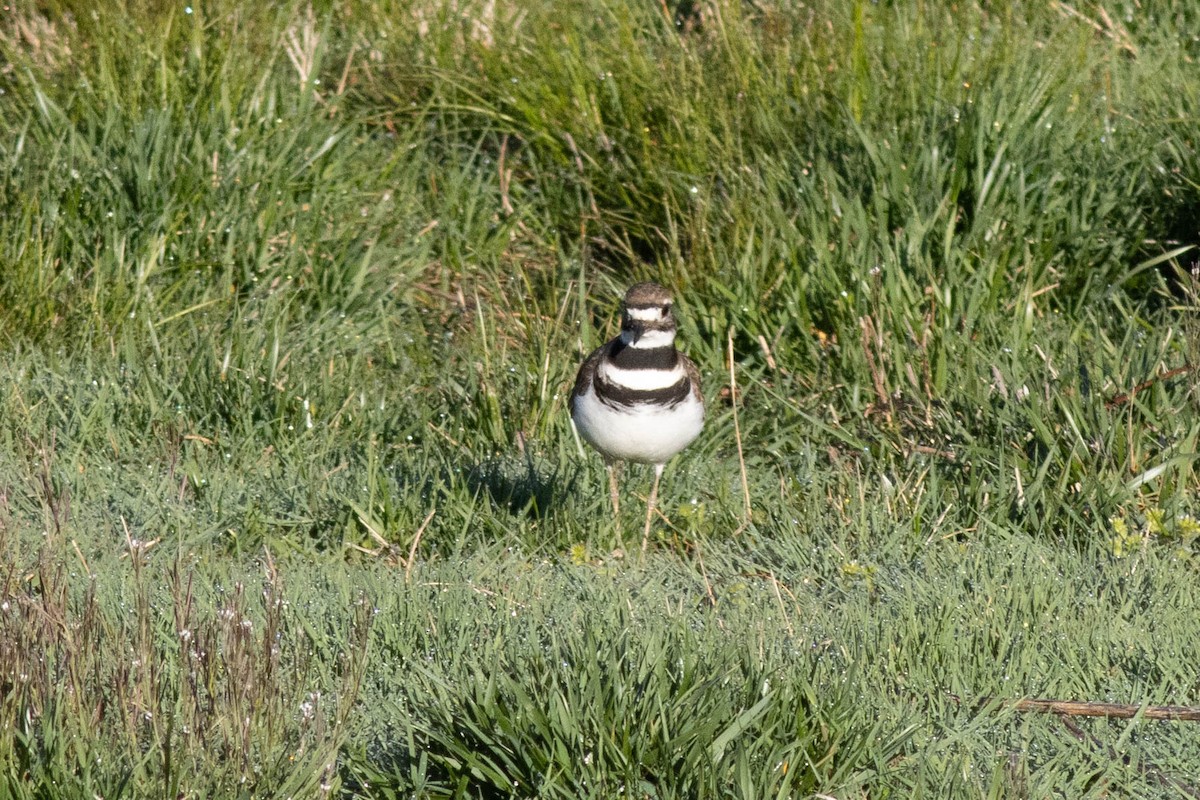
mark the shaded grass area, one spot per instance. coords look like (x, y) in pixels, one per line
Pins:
(291, 301)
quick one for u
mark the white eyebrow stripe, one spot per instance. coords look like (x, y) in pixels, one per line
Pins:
(645, 314)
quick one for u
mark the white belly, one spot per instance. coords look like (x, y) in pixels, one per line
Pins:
(645, 433)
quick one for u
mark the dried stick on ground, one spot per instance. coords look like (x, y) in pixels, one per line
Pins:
(1122, 399)
(1066, 709)
(1080, 708)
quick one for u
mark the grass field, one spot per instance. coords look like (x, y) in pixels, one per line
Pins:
(291, 300)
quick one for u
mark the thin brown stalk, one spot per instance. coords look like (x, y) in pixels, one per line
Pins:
(412, 551)
(1085, 708)
(1122, 399)
(1079, 708)
(737, 432)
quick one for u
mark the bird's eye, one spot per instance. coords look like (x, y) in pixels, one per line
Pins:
(666, 310)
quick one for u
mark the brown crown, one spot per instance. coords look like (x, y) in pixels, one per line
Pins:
(647, 295)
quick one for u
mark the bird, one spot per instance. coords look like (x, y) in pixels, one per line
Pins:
(636, 397)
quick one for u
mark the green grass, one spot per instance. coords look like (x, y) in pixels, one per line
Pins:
(290, 303)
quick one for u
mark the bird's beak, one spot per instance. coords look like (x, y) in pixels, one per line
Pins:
(636, 329)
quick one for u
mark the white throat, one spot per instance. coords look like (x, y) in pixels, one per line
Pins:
(649, 340)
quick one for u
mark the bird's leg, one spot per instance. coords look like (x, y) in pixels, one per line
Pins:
(658, 471)
(611, 468)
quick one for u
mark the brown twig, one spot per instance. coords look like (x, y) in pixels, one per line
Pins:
(1117, 33)
(780, 588)
(505, 176)
(1083, 708)
(1122, 399)
(1078, 708)
(926, 450)
(412, 551)
(712, 598)
(871, 341)
(1067, 710)
(766, 348)
(737, 434)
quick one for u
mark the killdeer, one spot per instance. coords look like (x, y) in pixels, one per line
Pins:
(637, 398)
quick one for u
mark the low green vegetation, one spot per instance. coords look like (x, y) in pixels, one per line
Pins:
(290, 303)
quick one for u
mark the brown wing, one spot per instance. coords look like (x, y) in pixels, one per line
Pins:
(587, 371)
(694, 376)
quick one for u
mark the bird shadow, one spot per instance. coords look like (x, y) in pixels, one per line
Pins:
(522, 484)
